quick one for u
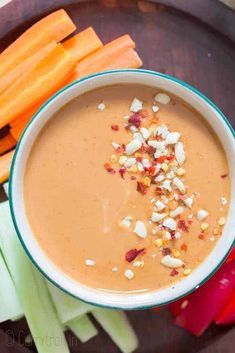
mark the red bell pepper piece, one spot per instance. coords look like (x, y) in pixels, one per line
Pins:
(227, 315)
(176, 307)
(206, 303)
(231, 255)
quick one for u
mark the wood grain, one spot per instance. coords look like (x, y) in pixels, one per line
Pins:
(192, 40)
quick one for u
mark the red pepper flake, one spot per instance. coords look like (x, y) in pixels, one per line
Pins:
(161, 159)
(133, 253)
(139, 159)
(170, 157)
(115, 127)
(121, 149)
(174, 273)
(201, 236)
(152, 170)
(142, 188)
(109, 169)
(144, 113)
(143, 148)
(135, 120)
(133, 177)
(158, 137)
(184, 247)
(190, 221)
(122, 171)
(159, 190)
(172, 233)
(149, 150)
(182, 225)
(224, 175)
(166, 251)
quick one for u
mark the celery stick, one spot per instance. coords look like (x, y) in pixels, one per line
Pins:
(68, 308)
(83, 328)
(9, 304)
(117, 326)
(5, 187)
(32, 291)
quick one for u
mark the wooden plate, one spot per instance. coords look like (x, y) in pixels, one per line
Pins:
(192, 40)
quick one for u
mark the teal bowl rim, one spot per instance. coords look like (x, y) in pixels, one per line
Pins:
(77, 82)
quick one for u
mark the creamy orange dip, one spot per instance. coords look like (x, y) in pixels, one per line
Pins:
(127, 189)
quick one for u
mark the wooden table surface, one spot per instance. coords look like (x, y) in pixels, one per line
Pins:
(192, 40)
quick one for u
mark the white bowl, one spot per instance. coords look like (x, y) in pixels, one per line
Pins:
(126, 301)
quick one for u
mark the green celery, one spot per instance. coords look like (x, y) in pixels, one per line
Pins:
(32, 291)
(9, 303)
(83, 328)
(117, 326)
(68, 308)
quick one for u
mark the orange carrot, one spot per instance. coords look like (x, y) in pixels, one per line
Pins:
(127, 60)
(36, 84)
(104, 56)
(26, 116)
(16, 131)
(7, 143)
(5, 165)
(83, 44)
(7, 80)
(54, 27)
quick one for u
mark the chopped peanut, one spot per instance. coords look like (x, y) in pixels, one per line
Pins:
(164, 167)
(204, 226)
(180, 171)
(113, 158)
(133, 169)
(217, 231)
(122, 160)
(146, 181)
(221, 221)
(187, 272)
(158, 242)
(175, 252)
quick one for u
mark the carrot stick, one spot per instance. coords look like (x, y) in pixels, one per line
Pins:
(7, 143)
(26, 116)
(16, 131)
(54, 27)
(7, 80)
(5, 165)
(83, 44)
(104, 56)
(127, 60)
(78, 46)
(36, 84)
